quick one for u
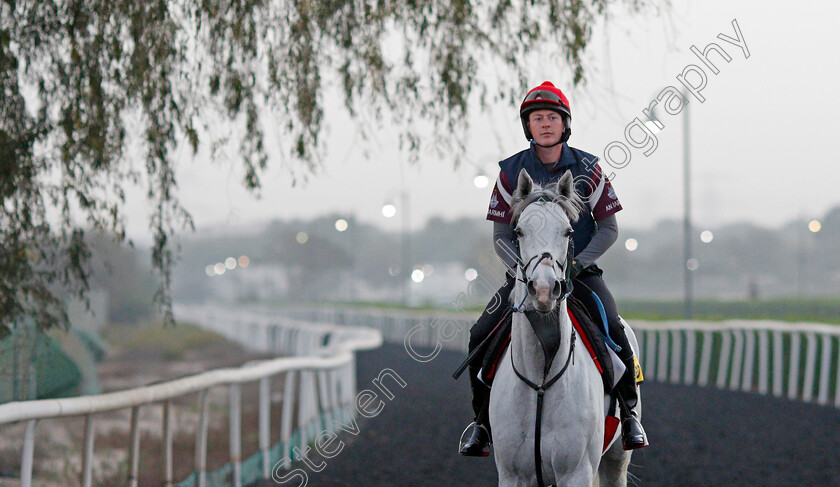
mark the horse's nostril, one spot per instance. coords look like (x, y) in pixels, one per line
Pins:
(531, 288)
(557, 289)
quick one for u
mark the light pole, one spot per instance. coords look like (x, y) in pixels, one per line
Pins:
(389, 210)
(688, 277)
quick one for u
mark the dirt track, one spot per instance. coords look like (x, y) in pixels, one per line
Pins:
(699, 436)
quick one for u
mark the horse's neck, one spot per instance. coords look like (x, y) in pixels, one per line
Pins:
(526, 348)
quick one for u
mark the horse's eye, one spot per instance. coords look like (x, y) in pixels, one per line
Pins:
(569, 232)
(518, 232)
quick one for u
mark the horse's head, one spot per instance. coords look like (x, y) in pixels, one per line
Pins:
(542, 220)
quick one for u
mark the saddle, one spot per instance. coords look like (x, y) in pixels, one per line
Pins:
(587, 330)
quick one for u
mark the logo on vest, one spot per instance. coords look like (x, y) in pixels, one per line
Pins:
(611, 193)
(494, 201)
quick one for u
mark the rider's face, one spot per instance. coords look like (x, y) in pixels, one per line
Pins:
(546, 127)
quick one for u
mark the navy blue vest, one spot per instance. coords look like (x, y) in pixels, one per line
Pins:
(580, 163)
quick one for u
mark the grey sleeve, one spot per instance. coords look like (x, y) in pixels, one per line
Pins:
(503, 243)
(605, 236)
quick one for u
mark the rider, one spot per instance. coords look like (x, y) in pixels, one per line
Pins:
(546, 119)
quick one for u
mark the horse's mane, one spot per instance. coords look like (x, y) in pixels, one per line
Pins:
(571, 205)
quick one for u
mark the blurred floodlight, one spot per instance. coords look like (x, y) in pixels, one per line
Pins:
(481, 181)
(389, 210)
(341, 224)
(417, 275)
(210, 270)
(707, 236)
(302, 238)
(692, 264)
(470, 274)
(814, 226)
(219, 268)
(230, 263)
(244, 261)
(393, 271)
(631, 244)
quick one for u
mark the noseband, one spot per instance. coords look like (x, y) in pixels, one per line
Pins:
(565, 283)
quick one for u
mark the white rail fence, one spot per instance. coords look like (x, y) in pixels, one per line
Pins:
(319, 386)
(799, 361)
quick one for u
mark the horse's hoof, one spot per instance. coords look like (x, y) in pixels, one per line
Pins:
(479, 443)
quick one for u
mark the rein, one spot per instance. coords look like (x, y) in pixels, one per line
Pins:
(540, 389)
(540, 393)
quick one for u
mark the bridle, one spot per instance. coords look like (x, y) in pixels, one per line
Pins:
(541, 388)
(565, 269)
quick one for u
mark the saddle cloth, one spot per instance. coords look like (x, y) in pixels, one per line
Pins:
(605, 360)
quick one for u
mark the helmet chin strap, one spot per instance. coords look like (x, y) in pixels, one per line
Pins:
(549, 146)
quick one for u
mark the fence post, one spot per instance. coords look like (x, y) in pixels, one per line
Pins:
(676, 356)
(690, 353)
(737, 360)
(167, 443)
(87, 452)
(793, 370)
(825, 369)
(810, 367)
(749, 360)
(723, 360)
(265, 425)
(26, 460)
(763, 361)
(705, 359)
(236, 434)
(662, 366)
(778, 357)
(201, 439)
(134, 448)
(288, 410)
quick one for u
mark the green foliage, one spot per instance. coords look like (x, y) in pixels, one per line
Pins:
(80, 80)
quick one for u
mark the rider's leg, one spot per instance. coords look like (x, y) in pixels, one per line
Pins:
(633, 435)
(479, 441)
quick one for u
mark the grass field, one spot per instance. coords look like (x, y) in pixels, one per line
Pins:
(817, 310)
(170, 342)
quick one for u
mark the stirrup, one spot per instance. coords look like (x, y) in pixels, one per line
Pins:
(462, 443)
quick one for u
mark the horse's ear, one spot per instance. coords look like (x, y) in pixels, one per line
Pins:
(524, 184)
(566, 185)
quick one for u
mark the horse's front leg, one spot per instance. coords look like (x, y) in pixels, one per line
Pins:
(507, 479)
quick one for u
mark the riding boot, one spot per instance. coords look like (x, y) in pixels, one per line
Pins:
(632, 434)
(478, 445)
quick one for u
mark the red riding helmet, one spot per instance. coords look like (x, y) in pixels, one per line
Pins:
(546, 97)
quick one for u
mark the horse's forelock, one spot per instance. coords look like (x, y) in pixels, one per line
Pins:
(571, 205)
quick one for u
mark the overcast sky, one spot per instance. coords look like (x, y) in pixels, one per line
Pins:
(763, 141)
